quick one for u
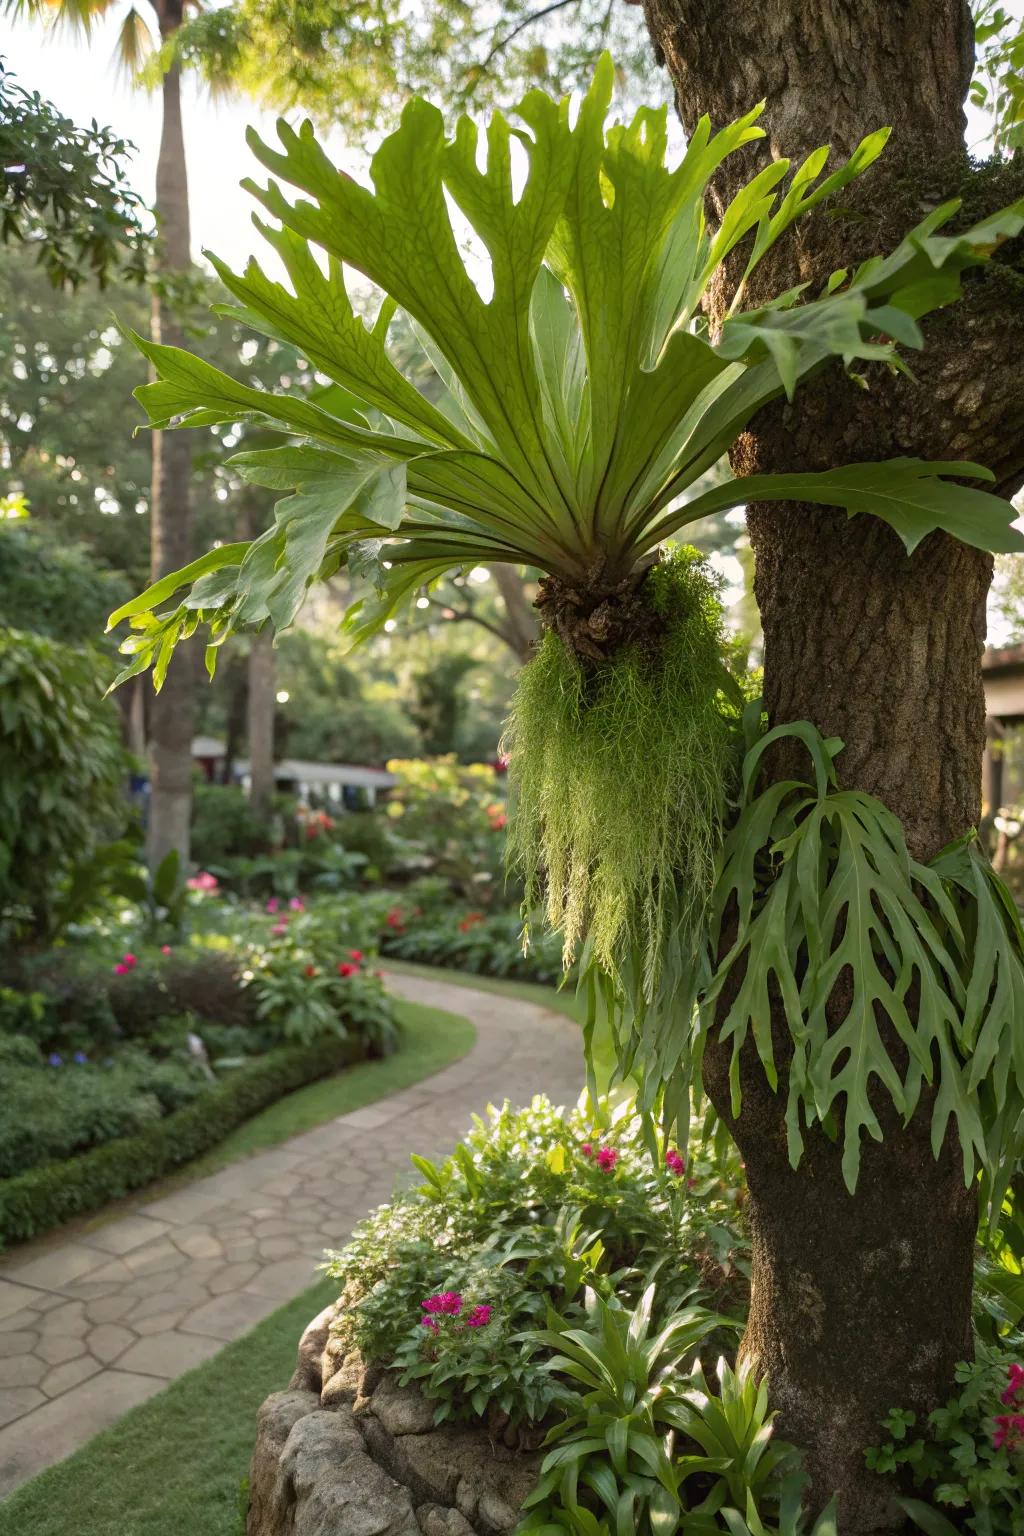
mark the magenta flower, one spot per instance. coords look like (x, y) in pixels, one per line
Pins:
(431, 1323)
(1013, 1397)
(272, 905)
(480, 1316)
(280, 927)
(674, 1163)
(129, 961)
(587, 1149)
(606, 1159)
(1009, 1432)
(297, 904)
(448, 1303)
(120, 969)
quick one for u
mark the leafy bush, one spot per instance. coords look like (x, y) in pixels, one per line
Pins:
(53, 1193)
(526, 1213)
(486, 944)
(225, 825)
(450, 818)
(968, 1457)
(61, 766)
(59, 1108)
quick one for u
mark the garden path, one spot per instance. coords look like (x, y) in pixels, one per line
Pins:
(93, 1324)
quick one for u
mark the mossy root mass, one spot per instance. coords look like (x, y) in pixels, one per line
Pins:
(620, 770)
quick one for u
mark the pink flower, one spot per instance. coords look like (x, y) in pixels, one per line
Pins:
(281, 927)
(587, 1149)
(204, 881)
(165, 949)
(674, 1163)
(297, 904)
(431, 1323)
(606, 1159)
(480, 1316)
(1009, 1434)
(1013, 1397)
(129, 961)
(448, 1303)
(345, 969)
(121, 970)
(272, 905)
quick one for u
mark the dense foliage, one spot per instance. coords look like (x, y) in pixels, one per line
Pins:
(64, 191)
(61, 770)
(559, 1278)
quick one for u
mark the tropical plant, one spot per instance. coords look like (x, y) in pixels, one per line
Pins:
(617, 1438)
(815, 885)
(61, 771)
(575, 407)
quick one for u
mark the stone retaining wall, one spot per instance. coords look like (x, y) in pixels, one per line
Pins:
(345, 1451)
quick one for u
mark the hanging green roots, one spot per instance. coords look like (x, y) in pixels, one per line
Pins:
(620, 770)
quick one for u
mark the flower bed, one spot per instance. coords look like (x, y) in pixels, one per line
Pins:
(45, 1196)
(120, 1063)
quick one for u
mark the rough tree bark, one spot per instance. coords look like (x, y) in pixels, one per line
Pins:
(862, 1303)
(172, 710)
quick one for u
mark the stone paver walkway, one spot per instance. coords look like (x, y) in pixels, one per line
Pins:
(91, 1326)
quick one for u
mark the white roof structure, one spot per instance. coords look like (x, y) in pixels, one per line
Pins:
(345, 774)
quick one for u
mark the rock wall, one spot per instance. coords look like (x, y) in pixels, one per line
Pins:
(345, 1451)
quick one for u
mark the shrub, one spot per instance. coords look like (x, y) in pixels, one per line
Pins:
(46, 1196)
(61, 766)
(529, 1210)
(451, 818)
(225, 825)
(470, 940)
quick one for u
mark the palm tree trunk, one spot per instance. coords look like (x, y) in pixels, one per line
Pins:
(172, 713)
(860, 1303)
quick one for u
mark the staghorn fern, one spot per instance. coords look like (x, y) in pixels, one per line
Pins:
(577, 408)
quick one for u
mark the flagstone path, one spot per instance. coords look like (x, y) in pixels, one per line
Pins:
(94, 1323)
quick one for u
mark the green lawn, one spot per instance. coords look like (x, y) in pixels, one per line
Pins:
(175, 1465)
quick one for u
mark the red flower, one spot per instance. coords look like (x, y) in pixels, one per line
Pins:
(470, 920)
(674, 1163)
(394, 920)
(310, 970)
(606, 1159)
(355, 954)
(345, 969)
(498, 823)
(1009, 1433)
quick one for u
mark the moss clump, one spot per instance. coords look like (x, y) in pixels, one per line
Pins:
(620, 770)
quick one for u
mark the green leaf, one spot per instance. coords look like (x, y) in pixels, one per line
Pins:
(910, 495)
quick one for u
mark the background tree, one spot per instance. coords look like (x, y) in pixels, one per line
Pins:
(854, 1294)
(65, 192)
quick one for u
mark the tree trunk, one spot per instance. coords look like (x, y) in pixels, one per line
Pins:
(860, 1303)
(173, 709)
(520, 629)
(261, 719)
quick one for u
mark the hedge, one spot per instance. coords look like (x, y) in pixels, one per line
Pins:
(45, 1197)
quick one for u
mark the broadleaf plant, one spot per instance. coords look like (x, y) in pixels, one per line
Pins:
(577, 401)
